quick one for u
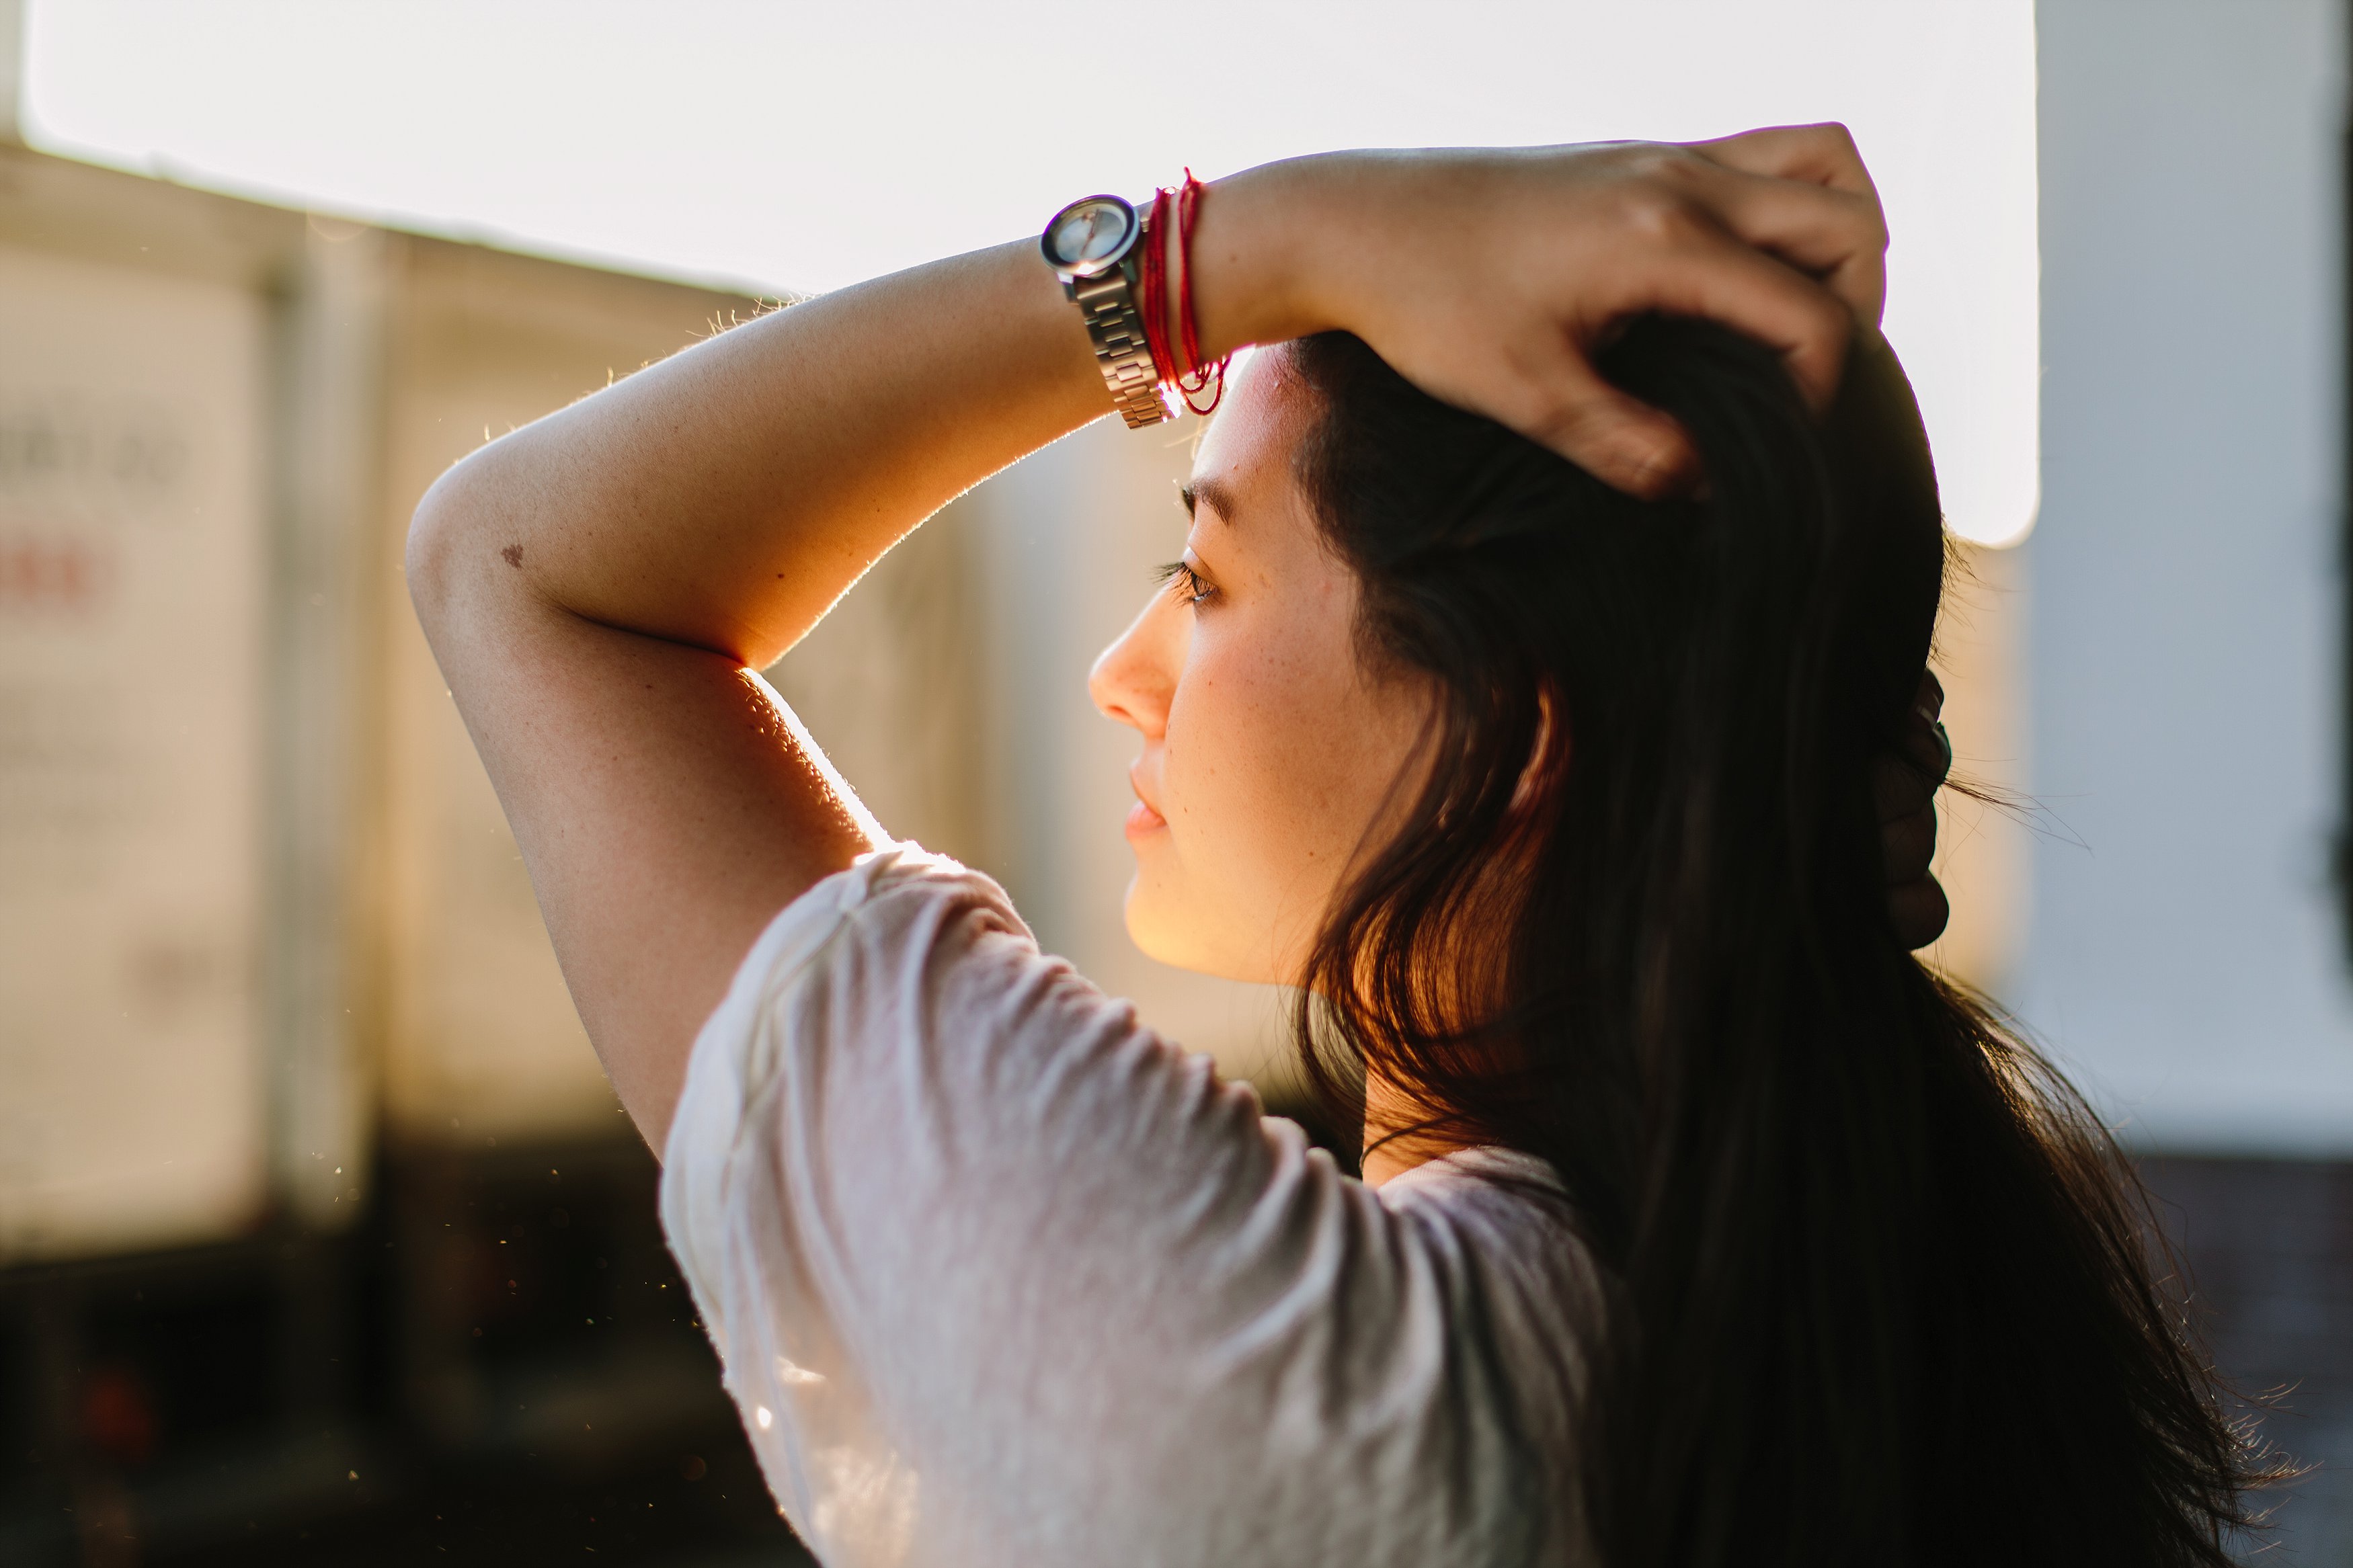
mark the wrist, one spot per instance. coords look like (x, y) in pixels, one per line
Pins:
(1256, 260)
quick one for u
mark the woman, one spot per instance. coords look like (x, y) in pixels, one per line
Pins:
(1699, 1225)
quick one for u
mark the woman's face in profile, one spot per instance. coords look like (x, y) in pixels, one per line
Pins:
(1270, 750)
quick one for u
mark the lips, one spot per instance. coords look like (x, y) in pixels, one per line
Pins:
(1143, 816)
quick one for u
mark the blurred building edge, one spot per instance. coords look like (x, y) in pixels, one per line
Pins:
(12, 72)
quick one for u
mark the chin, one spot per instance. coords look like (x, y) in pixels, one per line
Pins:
(1150, 926)
(1165, 932)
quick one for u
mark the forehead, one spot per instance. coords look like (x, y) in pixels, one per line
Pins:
(1245, 451)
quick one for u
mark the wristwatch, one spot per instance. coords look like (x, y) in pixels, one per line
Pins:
(1092, 245)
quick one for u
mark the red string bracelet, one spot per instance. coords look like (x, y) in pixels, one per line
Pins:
(1170, 226)
(1193, 376)
(1151, 292)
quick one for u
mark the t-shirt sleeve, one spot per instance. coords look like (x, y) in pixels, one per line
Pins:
(998, 1275)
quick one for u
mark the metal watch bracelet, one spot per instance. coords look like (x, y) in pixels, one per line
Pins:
(1115, 327)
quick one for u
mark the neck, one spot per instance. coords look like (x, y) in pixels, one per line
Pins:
(1391, 1149)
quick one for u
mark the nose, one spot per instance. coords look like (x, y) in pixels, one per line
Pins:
(1134, 679)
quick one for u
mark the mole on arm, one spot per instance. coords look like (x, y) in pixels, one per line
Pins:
(513, 556)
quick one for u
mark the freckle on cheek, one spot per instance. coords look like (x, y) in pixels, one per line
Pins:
(511, 555)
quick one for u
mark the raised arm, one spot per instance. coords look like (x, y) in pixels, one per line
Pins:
(600, 586)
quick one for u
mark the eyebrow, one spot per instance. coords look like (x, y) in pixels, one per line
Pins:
(1215, 493)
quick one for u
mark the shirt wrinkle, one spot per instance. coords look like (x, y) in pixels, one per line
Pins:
(999, 1276)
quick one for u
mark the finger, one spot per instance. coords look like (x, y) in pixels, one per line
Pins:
(1618, 439)
(1713, 274)
(1919, 913)
(1565, 405)
(1837, 238)
(1850, 250)
(1822, 155)
(1834, 236)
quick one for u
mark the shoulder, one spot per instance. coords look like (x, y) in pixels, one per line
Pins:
(1506, 1213)
(902, 892)
(1531, 1298)
(849, 946)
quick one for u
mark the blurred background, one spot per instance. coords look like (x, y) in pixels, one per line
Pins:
(322, 1239)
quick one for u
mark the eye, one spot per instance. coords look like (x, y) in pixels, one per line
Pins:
(1187, 583)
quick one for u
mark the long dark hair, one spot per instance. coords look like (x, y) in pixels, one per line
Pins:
(1880, 1285)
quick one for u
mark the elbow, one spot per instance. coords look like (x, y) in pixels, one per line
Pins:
(445, 530)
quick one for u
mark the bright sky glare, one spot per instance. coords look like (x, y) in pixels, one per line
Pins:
(803, 146)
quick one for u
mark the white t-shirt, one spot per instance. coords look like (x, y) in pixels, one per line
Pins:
(1000, 1277)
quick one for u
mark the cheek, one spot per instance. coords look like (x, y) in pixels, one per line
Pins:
(1278, 760)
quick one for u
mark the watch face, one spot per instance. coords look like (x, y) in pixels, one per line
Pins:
(1087, 237)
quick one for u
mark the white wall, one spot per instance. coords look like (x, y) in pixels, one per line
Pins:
(2187, 609)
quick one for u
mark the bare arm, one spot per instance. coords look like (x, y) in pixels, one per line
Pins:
(600, 586)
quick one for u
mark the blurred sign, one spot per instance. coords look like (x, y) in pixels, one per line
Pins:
(132, 563)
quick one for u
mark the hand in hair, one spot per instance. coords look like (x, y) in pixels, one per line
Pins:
(1490, 279)
(1904, 786)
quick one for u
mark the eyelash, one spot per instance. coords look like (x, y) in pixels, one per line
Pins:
(1187, 583)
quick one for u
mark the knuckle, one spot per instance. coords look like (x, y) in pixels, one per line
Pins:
(1661, 172)
(1683, 173)
(1828, 138)
(1664, 160)
(1658, 213)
